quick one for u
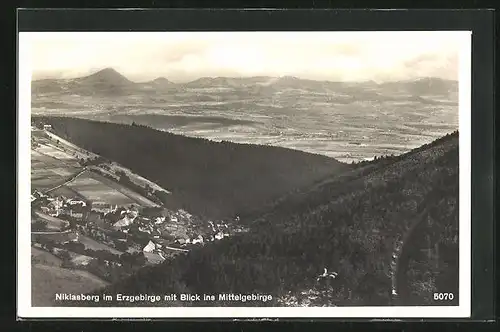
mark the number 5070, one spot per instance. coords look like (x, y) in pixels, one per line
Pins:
(443, 296)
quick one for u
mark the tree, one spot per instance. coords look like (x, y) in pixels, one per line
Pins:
(66, 258)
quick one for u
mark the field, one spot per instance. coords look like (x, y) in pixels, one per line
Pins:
(79, 259)
(52, 164)
(95, 190)
(139, 199)
(67, 192)
(52, 222)
(48, 278)
(45, 258)
(51, 167)
(137, 179)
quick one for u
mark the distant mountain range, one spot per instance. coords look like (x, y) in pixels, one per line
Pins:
(110, 82)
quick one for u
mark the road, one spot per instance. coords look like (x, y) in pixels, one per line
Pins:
(176, 249)
(51, 233)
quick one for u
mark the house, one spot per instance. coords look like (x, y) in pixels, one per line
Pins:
(124, 222)
(33, 198)
(159, 220)
(174, 219)
(45, 209)
(47, 127)
(197, 240)
(145, 230)
(38, 194)
(150, 247)
(76, 202)
(76, 214)
(56, 203)
(180, 241)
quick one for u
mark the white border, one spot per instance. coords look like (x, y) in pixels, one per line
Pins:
(25, 310)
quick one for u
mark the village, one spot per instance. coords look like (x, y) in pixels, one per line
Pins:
(112, 238)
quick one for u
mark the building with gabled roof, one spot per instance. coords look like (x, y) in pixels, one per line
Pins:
(150, 247)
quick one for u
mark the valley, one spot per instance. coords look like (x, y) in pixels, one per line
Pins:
(343, 120)
(251, 185)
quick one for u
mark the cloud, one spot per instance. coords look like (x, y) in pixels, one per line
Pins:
(182, 56)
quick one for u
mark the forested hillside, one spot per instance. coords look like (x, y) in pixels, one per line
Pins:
(211, 179)
(354, 225)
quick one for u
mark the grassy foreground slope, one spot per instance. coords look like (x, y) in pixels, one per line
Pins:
(207, 178)
(49, 278)
(349, 225)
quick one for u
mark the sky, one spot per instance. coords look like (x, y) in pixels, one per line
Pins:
(185, 56)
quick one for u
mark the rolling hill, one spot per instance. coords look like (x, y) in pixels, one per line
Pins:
(212, 179)
(110, 82)
(351, 224)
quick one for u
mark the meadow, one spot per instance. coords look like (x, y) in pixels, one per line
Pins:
(48, 278)
(96, 191)
(51, 167)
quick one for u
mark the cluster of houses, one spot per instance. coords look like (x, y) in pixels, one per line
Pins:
(45, 127)
(60, 205)
(105, 222)
(216, 232)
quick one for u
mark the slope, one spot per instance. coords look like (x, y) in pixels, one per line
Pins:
(353, 225)
(216, 180)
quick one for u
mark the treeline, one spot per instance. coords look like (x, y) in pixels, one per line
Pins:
(351, 231)
(387, 159)
(212, 179)
(302, 201)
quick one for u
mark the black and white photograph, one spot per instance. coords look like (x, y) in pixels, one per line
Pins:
(244, 174)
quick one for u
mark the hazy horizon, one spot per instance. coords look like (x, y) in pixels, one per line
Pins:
(186, 56)
(237, 77)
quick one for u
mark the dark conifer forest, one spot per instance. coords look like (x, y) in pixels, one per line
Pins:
(212, 179)
(391, 223)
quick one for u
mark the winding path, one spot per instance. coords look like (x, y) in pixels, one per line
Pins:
(67, 181)
(400, 259)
